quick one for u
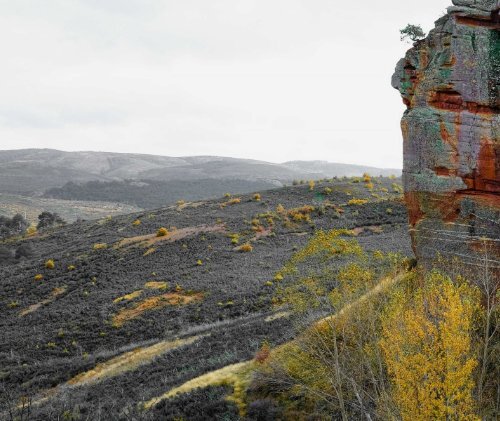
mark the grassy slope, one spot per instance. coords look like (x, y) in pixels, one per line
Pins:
(70, 210)
(73, 332)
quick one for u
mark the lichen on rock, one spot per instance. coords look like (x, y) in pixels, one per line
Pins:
(450, 83)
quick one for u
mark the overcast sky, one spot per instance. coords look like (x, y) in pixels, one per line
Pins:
(275, 80)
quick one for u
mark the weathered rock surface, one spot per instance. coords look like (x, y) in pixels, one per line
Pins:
(451, 129)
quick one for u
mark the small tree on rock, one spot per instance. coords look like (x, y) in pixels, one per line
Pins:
(412, 33)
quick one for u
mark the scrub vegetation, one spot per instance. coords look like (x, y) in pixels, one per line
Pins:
(96, 340)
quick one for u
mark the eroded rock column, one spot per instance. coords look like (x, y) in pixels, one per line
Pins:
(451, 129)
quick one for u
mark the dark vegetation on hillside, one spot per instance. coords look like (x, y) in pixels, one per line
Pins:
(30, 172)
(149, 194)
(10, 227)
(150, 311)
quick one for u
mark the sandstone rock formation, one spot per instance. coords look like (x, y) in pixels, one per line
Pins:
(450, 84)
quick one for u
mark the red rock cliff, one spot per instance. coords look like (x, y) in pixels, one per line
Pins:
(450, 85)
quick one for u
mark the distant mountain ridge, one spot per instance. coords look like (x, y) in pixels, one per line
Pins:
(33, 171)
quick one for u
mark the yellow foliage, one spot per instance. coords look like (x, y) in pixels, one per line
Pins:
(49, 264)
(13, 304)
(31, 230)
(156, 285)
(377, 254)
(327, 243)
(257, 197)
(100, 246)
(353, 279)
(301, 214)
(303, 295)
(136, 222)
(128, 297)
(38, 277)
(337, 354)
(152, 303)
(397, 188)
(149, 251)
(236, 376)
(129, 361)
(311, 185)
(71, 267)
(357, 202)
(427, 346)
(245, 248)
(280, 209)
(162, 232)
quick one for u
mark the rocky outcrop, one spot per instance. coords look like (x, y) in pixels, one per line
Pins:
(451, 129)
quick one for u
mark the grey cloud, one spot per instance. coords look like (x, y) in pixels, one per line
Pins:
(267, 79)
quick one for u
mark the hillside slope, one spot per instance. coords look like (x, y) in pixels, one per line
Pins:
(125, 315)
(32, 171)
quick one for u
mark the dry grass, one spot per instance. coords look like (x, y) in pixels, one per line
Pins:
(265, 232)
(151, 239)
(357, 202)
(154, 303)
(235, 375)
(238, 375)
(230, 202)
(34, 307)
(156, 285)
(149, 251)
(245, 248)
(128, 297)
(373, 228)
(183, 205)
(129, 361)
(277, 316)
(121, 364)
(300, 214)
(357, 305)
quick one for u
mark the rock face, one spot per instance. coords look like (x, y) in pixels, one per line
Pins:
(451, 129)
